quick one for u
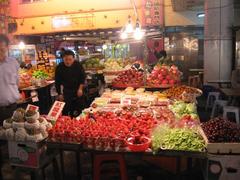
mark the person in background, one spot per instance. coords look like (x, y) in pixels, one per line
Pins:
(27, 63)
(71, 76)
(155, 54)
(159, 53)
(9, 93)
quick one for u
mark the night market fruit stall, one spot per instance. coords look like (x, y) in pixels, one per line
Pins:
(128, 121)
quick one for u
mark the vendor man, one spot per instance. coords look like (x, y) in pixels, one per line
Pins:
(9, 93)
(71, 76)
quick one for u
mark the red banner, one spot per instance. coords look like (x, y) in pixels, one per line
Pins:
(153, 13)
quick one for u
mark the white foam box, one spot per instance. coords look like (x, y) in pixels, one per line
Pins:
(26, 154)
(221, 167)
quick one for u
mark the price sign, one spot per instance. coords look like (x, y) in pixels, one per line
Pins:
(32, 107)
(126, 101)
(56, 110)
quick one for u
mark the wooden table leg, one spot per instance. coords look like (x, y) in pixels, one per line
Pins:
(62, 164)
(56, 170)
(79, 171)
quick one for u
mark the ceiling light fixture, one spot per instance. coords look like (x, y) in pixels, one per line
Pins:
(138, 33)
(201, 15)
(129, 31)
(21, 45)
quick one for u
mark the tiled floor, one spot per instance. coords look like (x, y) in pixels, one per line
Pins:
(137, 168)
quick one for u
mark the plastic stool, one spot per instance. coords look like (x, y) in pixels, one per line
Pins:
(212, 96)
(218, 103)
(231, 109)
(101, 158)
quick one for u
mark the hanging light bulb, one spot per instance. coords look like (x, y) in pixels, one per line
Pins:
(129, 26)
(21, 45)
(138, 33)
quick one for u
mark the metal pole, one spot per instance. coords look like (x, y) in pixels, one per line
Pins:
(145, 58)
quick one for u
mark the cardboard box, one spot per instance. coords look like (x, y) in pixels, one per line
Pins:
(222, 167)
(26, 154)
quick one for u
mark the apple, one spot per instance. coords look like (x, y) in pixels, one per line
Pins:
(172, 82)
(168, 77)
(165, 81)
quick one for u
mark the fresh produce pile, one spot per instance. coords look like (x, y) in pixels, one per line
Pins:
(25, 79)
(184, 139)
(34, 76)
(139, 97)
(25, 126)
(103, 130)
(39, 74)
(135, 120)
(93, 63)
(184, 93)
(182, 109)
(165, 116)
(219, 130)
(163, 75)
(131, 77)
(113, 65)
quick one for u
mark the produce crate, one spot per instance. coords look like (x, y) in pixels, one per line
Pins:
(221, 148)
(26, 154)
(221, 167)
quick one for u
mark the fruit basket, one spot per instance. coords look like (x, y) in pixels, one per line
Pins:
(138, 144)
(217, 141)
(182, 92)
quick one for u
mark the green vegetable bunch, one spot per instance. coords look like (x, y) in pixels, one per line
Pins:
(164, 137)
(39, 74)
(181, 109)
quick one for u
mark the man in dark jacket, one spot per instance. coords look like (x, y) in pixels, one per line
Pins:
(69, 82)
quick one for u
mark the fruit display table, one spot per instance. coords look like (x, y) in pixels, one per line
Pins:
(32, 88)
(43, 93)
(142, 123)
(133, 120)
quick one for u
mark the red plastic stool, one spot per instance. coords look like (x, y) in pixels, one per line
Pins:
(100, 158)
